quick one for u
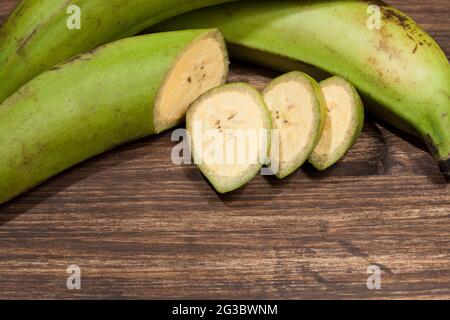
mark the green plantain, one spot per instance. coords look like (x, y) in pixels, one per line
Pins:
(120, 92)
(36, 36)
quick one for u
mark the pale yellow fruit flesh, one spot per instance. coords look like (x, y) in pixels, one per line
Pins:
(229, 114)
(201, 68)
(339, 120)
(293, 112)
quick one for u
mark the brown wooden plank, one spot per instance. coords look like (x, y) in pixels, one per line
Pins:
(141, 227)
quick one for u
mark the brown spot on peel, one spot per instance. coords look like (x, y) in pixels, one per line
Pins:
(409, 26)
(23, 42)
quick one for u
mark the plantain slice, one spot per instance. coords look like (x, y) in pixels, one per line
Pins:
(343, 125)
(298, 112)
(230, 134)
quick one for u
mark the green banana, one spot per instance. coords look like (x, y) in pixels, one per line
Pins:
(397, 66)
(123, 91)
(36, 35)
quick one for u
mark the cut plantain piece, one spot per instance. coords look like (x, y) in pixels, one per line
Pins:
(100, 100)
(230, 129)
(298, 112)
(201, 67)
(343, 125)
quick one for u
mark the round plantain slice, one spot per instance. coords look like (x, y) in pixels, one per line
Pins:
(298, 112)
(343, 125)
(230, 129)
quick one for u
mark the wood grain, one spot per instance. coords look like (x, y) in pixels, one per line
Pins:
(141, 227)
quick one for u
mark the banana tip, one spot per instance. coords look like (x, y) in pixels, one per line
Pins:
(444, 165)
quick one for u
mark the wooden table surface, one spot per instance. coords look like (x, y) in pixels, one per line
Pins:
(139, 226)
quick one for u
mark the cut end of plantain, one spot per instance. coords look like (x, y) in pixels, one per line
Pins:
(201, 67)
(298, 112)
(230, 135)
(343, 125)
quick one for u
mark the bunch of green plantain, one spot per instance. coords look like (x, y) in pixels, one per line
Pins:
(68, 94)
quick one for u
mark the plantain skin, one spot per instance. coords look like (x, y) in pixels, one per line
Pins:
(399, 67)
(85, 106)
(35, 37)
